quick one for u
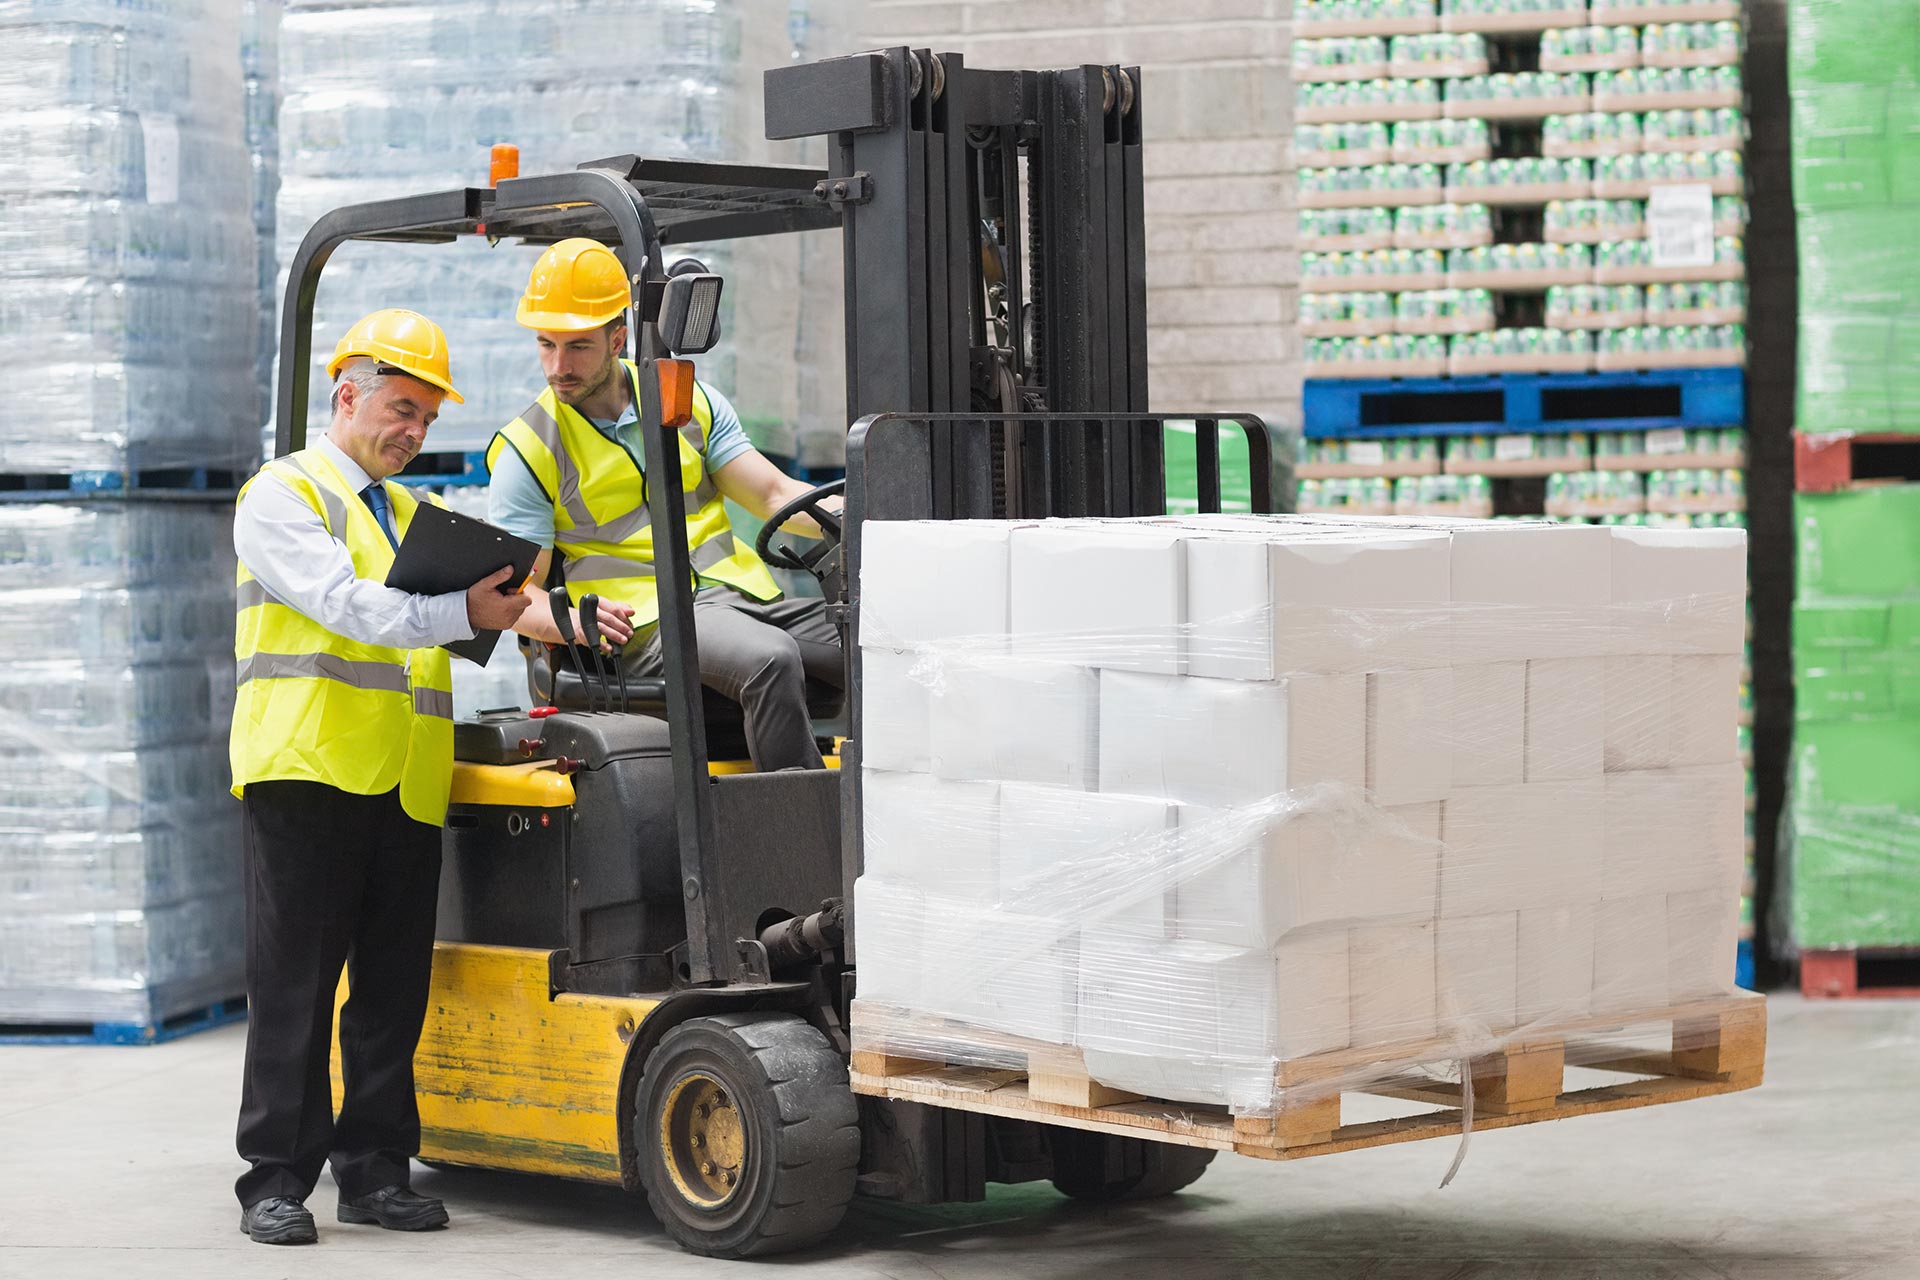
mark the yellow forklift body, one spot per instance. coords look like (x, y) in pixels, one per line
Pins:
(509, 1077)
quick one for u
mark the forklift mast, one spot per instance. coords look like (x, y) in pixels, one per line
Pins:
(995, 255)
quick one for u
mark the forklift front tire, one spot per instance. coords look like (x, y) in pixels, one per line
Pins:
(749, 1137)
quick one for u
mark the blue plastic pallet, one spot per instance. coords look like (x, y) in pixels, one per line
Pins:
(218, 1014)
(1514, 403)
(1743, 974)
(201, 482)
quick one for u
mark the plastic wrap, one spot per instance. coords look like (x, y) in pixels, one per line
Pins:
(1854, 71)
(260, 70)
(1853, 825)
(385, 99)
(128, 287)
(1197, 796)
(120, 890)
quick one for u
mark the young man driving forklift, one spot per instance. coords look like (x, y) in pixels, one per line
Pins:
(570, 474)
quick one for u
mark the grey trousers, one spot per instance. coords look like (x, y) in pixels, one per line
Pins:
(760, 656)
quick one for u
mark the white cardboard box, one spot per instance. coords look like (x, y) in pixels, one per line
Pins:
(1530, 591)
(1679, 590)
(1490, 724)
(925, 581)
(1705, 721)
(1639, 696)
(1068, 852)
(932, 835)
(1311, 869)
(1555, 967)
(1212, 1029)
(892, 919)
(1566, 718)
(1630, 955)
(1477, 982)
(1411, 728)
(1393, 983)
(1016, 720)
(1100, 594)
(1002, 970)
(1675, 831)
(1229, 742)
(1703, 935)
(1270, 600)
(1539, 844)
(896, 711)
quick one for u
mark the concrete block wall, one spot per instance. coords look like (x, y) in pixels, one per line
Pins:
(1222, 270)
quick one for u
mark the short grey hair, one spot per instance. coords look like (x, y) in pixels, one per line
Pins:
(362, 372)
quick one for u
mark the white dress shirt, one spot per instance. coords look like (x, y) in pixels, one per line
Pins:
(285, 544)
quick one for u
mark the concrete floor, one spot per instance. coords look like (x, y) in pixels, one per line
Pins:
(118, 1162)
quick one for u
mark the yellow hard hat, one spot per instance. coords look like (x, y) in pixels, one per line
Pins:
(406, 340)
(578, 284)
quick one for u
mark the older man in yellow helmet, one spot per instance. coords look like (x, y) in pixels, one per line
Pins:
(570, 473)
(342, 753)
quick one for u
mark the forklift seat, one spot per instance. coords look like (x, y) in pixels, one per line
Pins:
(647, 696)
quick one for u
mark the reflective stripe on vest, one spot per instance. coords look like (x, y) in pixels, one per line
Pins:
(602, 525)
(317, 706)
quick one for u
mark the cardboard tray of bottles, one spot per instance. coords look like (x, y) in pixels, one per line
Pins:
(1644, 274)
(1368, 113)
(1393, 197)
(1519, 108)
(1718, 357)
(1511, 23)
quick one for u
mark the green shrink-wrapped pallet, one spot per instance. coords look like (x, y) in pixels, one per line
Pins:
(1854, 822)
(1855, 77)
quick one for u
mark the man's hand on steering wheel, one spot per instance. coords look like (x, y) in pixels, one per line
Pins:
(816, 558)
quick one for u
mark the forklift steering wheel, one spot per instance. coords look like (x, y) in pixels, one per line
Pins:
(814, 559)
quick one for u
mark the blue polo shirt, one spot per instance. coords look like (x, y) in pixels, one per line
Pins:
(518, 503)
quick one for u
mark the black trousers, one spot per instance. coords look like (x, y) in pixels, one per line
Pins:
(333, 879)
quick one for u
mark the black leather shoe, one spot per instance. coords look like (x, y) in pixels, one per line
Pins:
(278, 1220)
(396, 1208)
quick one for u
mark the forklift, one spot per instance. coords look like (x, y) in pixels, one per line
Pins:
(645, 954)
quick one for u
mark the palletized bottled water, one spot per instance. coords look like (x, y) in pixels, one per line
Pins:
(119, 844)
(392, 99)
(128, 314)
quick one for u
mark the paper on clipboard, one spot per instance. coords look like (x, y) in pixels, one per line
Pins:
(446, 551)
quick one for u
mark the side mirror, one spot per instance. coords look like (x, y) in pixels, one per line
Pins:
(689, 321)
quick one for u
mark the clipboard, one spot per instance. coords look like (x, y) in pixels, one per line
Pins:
(446, 551)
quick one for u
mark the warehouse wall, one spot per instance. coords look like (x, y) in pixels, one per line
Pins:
(1222, 273)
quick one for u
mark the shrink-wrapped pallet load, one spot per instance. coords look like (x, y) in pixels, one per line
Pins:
(1194, 797)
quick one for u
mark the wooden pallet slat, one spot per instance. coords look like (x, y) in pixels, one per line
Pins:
(1718, 1046)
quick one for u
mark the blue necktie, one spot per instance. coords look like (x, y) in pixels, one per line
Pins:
(375, 496)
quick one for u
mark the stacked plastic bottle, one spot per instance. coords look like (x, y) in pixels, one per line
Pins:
(127, 253)
(384, 100)
(260, 65)
(120, 889)
(1617, 108)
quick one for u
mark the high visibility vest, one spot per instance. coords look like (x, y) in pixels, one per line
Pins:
(602, 526)
(316, 706)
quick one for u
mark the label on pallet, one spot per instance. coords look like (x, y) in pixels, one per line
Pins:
(1366, 453)
(1680, 225)
(1512, 448)
(1667, 440)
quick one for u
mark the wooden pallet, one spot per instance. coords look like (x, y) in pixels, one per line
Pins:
(1718, 1046)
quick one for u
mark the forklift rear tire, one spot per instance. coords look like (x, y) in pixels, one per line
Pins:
(1084, 1169)
(748, 1133)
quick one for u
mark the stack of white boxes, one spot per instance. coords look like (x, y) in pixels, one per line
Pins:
(1196, 795)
